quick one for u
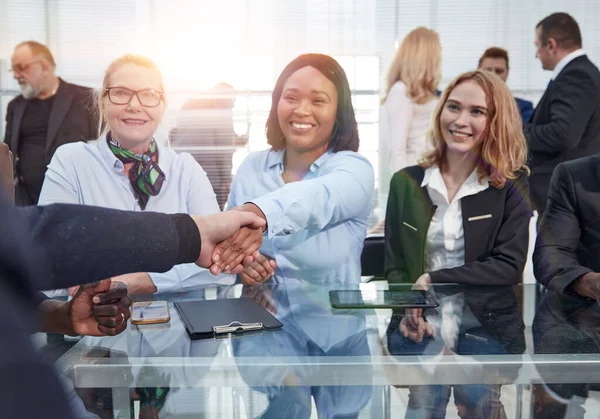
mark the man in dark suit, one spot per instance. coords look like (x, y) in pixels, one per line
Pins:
(63, 245)
(566, 122)
(567, 249)
(48, 113)
(495, 59)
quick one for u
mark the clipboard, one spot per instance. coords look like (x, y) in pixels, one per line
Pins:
(205, 319)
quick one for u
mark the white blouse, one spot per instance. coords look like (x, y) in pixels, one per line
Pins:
(445, 246)
(403, 127)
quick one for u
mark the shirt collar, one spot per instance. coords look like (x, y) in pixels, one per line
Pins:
(164, 158)
(275, 158)
(471, 186)
(566, 60)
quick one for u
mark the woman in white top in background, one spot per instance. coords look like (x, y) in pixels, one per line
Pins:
(410, 99)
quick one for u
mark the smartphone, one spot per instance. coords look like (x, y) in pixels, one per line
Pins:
(382, 299)
(150, 312)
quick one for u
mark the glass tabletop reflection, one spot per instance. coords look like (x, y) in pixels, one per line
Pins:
(474, 342)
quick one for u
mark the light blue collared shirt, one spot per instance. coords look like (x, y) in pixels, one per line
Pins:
(319, 223)
(90, 174)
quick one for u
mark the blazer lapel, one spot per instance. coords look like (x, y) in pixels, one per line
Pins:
(60, 108)
(478, 212)
(421, 212)
(16, 123)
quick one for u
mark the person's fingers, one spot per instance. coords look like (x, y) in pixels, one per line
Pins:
(247, 280)
(260, 269)
(113, 309)
(234, 247)
(237, 261)
(411, 317)
(248, 260)
(421, 330)
(214, 269)
(244, 244)
(115, 320)
(414, 314)
(403, 328)
(105, 310)
(260, 258)
(252, 272)
(219, 227)
(431, 330)
(249, 219)
(266, 265)
(217, 255)
(236, 269)
(117, 291)
(273, 264)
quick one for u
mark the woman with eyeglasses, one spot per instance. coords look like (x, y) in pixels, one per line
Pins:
(126, 168)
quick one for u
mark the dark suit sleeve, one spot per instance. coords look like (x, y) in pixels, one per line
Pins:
(9, 127)
(574, 100)
(395, 265)
(505, 263)
(84, 244)
(554, 261)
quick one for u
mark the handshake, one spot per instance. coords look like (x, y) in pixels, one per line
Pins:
(230, 239)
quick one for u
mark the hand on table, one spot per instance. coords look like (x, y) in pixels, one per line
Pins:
(261, 269)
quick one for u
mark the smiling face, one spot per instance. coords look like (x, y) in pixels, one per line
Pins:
(307, 111)
(133, 125)
(464, 118)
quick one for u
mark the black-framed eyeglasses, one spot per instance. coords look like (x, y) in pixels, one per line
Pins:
(122, 96)
(21, 68)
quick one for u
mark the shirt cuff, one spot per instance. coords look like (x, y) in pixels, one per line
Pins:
(276, 220)
(189, 239)
(165, 282)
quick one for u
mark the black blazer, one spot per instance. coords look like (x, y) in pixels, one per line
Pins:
(72, 119)
(57, 246)
(565, 124)
(568, 242)
(495, 247)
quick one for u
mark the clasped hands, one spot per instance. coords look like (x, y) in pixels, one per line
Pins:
(237, 252)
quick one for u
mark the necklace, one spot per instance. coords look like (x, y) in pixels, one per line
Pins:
(285, 176)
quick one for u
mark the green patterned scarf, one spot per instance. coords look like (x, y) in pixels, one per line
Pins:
(145, 175)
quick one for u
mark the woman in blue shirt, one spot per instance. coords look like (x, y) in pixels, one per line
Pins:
(126, 169)
(312, 187)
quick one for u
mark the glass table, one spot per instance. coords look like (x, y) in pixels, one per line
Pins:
(349, 363)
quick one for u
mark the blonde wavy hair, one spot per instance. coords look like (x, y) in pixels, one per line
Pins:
(503, 150)
(418, 64)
